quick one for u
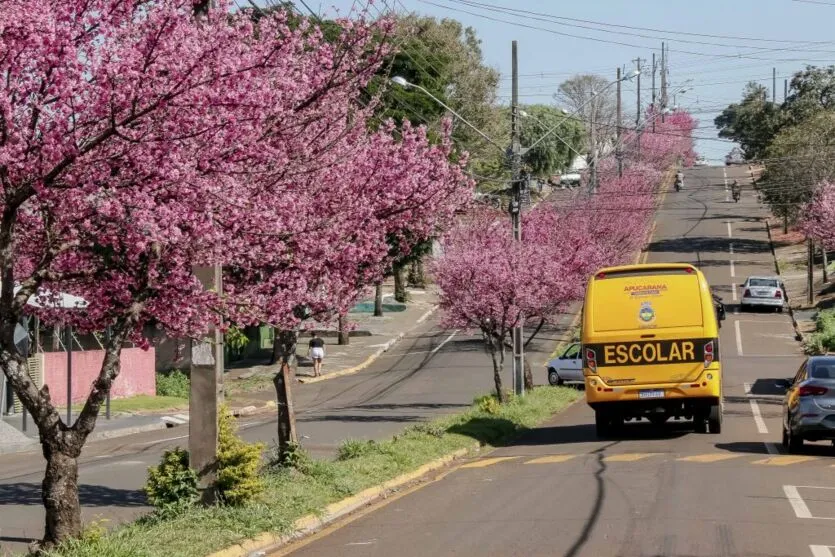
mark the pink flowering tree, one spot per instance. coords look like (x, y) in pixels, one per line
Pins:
(492, 283)
(818, 220)
(137, 143)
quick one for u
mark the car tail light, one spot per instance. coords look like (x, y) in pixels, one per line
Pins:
(778, 294)
(591, 359)
(708, 353)
(747, 294)
(810, 390)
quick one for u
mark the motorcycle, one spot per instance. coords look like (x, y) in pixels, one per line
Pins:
(678, 184)
(720, 309)
(735, 195)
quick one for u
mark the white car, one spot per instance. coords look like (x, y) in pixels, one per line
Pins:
(763, 292)
(567, 367)
(701, 161)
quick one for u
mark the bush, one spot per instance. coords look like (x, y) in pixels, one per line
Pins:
(172, 485)
(238, 462)
(823, 339)
(173, 383)
(488, 404)
(355, 448)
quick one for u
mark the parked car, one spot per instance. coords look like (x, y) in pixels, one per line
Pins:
(734, 157)
(701, 161)
(763, 292)
(567, 367)
(809, 404)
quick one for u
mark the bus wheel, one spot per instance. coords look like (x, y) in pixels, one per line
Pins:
(700, 422)
(714, 420)
(658, 419)
(602, 424)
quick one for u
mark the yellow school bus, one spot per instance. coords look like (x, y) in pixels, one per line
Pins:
(650, 342)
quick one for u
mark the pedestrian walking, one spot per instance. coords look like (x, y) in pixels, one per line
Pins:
(316, 351)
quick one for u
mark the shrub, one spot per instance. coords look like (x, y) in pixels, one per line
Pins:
(172, 485)
(823, 339)
(238, 463)
(355, 448)
(173, 383)
(294, 457)
(488, 404)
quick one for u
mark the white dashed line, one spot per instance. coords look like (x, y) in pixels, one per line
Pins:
(731, 246)
(733, 271)
(821, 550)
(797, 502)
(755, 409)
(730, 233)
(733, 291)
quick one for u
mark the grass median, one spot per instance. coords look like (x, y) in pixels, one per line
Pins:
(313, 484)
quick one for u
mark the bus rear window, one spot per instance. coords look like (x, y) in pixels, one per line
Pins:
(643, 300)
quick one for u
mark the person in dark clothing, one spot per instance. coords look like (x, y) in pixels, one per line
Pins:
(316, 351)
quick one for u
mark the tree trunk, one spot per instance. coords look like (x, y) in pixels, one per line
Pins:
(786, 223)
(528, 376)
(496, 349)
(417, 275)
(344, 335)
(59, 492)
(283, 381)
(378, 299)
(400, 293)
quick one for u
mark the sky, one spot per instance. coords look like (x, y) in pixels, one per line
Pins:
(715, 47)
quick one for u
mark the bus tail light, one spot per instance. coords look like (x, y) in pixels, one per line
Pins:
(709, 353)
(591, 359)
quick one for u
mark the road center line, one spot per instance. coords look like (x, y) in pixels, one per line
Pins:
(733, 291)
(730, 233)
(797, 502)
(733, 271)
(447, 339)
(738, 339)
(731, 247)
(755, 409)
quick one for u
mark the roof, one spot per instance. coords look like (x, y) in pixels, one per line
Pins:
(65, 301)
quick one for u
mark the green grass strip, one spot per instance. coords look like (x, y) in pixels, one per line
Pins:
(296, 492)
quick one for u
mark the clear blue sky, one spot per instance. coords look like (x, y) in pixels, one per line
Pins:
(748, 38)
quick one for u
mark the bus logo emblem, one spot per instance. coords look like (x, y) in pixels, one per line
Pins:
(646, 313)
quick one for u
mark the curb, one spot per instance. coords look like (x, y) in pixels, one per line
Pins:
(267, 542)
(798, 336)
(370, 359)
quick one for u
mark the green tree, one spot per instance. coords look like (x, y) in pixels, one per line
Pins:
(556, 152)
(812, 91)
(752, 122)
(799, 156)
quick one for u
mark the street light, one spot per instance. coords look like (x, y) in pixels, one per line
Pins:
(401, 81)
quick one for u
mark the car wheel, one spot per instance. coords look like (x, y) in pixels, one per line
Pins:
(658, 419)
(795, 443)
(714, 419)
(554, 377)
(779, 310)
(785, 441)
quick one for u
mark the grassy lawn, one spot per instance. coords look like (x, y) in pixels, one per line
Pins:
(306, 489)
(252, 384)
(144, 403)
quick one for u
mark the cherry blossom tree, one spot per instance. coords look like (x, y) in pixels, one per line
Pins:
(137, 143)
(818, 220)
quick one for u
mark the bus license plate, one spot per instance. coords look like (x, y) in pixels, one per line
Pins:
(651, 394)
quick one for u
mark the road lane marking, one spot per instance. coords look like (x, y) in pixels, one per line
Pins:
(447, 339)
(488, 462)
(733, 291)
(733, 271)
(755, 409)
(552, 459)
(628, 457)
(784, 460)
(727, 191)
(797, 502)
(710, 457)
(738, 339)
(730, 233)
(821, 550)
(731, 248)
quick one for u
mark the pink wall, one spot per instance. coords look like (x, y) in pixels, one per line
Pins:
(136, 378)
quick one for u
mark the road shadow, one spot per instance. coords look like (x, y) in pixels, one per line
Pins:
(759, 399)
(747, 447)
(586, 433)
(822, 448)
(26, 493)
(708, 244)
(362, 418)
(767, 386)
(486, 430)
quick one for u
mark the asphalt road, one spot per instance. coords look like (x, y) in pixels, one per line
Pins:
(653, 491)
(430, 372)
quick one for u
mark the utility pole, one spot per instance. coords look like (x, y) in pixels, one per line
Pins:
(516, 214)
(618, 154)
(785, 89)
(638, 62)
(774, 85)
(206, 374)
(810, 269)
(593, 141)
(663, 81)
(654, 108)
